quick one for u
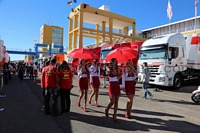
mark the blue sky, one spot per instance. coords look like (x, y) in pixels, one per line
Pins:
(21, 20)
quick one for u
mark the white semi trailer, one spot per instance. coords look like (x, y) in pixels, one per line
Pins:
(172, 59)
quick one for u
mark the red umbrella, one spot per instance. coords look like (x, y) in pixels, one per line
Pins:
(82, 53)
(122, 54)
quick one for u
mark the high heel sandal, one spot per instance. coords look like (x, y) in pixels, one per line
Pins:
(115, 119)
(84, 109)
(126, 115)
(96, 104)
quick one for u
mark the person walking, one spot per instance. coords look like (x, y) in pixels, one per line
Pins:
(10, 68)
(94, 70)
(42, 80)
(105, 74)
(128, 86)
(145, 81)
(21, 70)
(31, 71)
(113, 88)
(35, 71)
(50, 74)
(5, 73)
(83, 82)
(65, 82)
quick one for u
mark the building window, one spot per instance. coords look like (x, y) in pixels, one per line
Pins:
(57, 35)
(56, 31)
(58, 40)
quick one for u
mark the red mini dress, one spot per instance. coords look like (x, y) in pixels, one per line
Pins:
(83, 82)
(130, 85)
(113, 86)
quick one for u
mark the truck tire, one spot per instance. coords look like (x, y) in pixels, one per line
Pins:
(177, 82)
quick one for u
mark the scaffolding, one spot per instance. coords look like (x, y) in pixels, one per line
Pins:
(98, 24)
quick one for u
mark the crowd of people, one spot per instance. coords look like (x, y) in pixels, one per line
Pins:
(58, 81)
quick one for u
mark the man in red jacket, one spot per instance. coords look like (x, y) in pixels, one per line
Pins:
(65, 80)
(42, 80)
(50, 75)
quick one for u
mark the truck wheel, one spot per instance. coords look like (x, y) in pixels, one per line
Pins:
(177, 82)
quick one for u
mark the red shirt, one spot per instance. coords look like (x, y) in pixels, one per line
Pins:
(42, 79)
(65, 77)
(50, 73)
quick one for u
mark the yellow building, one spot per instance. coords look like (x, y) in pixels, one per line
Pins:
(28, 58)
(51, 35)
(98, 24)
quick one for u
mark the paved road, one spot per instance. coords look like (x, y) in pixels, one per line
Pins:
(169, 111)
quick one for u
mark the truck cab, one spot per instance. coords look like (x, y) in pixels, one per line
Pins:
(166, 58)
(109, 47)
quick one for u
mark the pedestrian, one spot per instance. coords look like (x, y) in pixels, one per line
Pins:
(31, 71)
(10, 68)
(41, 66)
(5, 73)
(65, 82)
(21, 70)
(113, 88)
(83, 82)
(42, 80)
(105, 74)
(94, 70)
(35, 71)
(51, 87)
(145, 81)
(128, 86)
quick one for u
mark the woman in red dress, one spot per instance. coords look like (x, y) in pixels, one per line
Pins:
(113, 88)
(128, 86)
(83, 82)
(94, 70)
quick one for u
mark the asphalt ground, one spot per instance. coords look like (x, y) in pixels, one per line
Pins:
(168, 111)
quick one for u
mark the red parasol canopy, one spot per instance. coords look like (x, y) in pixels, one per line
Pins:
(122, 54)
(83, 53)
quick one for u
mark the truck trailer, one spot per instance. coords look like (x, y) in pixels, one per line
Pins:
(172, 59)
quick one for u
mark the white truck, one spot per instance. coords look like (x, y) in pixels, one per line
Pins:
(172, 59)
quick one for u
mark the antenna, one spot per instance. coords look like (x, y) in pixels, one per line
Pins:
(49, 20)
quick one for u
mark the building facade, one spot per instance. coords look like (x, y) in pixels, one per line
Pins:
(186, 26)
(51, 35)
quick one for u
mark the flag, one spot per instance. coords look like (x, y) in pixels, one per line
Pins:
(169, 10)
(196, 5)
(69, 3)
(74, 1)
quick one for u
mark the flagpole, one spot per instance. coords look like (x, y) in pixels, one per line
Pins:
(195, 21)
(169, 26)
(169, 13)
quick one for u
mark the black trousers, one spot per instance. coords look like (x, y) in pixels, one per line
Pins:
(9, 74)
(65, 96)
(51, 92)
(31, 75)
